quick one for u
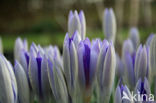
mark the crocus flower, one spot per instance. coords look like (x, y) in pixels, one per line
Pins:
(134, 36)
(149, 39)
(109, 24)
(122, 94)
(77, 22)
(1, 46)
(128, 59)
(38, 73)
(153, 56)
(142, 63)
(57, 80)
(106, 72)
(8, 86)
(70, 63)
(22, 82)
(143, 88)
(87, 62)
(19, 45)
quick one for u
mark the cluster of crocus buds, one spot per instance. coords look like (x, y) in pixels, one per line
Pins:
(88, 71)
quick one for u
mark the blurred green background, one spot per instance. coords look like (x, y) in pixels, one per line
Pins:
(45, 21)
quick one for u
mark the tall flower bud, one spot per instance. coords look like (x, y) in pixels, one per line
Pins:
(134, 36)
(142, 63)
(38, 73)
(149, 39)
(57, 80)
(128, 58)
(19, 45)
(87, 62)
(8, 86)
(77, 22)
(106, 72)
(70, 63)
(109, 24)
(22, 82)
(153, 56)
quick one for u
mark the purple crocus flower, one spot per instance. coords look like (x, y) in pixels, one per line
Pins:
(87, 64)
(128, 58)
(38, 73)
(109, 24)
(122, 94)
(142, 89)
(20, 45)
(149, 39)
(22, 82)
(57, 80)
(106, 72)
(8, 85)
(153, 56)
(134, 36)
(70, 63)
(142, 69)
(77, 22)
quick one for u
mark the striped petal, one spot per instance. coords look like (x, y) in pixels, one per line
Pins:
(22, 82)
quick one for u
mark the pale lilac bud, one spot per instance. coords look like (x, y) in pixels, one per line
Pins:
(120, 94)
(128, 58)
(143, 88)
(141, 62)
(109, 24)
(87, 62)
(134, 36)
(57, 81)
(77, 22)
(22, 82)
(149, 39)
(19, 45)
(38, 73)
(106, 72)
(153, 56)
(127, 47)
(8, 86)
(70, 63)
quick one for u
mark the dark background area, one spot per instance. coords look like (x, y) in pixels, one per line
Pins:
(45, 21)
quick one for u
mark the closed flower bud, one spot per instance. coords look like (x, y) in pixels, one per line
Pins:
(57, 81)
(134, 36)
(121, 92)
(38, 73)
(128, 58)
(109, 25)
(141, 63)
(87, 62)
(153, 56)
(19, 45)
(77, 22)
(22, 82)
(149, 39)
(70, 63)
(143, 88)
(106, 72)
(8, 86)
